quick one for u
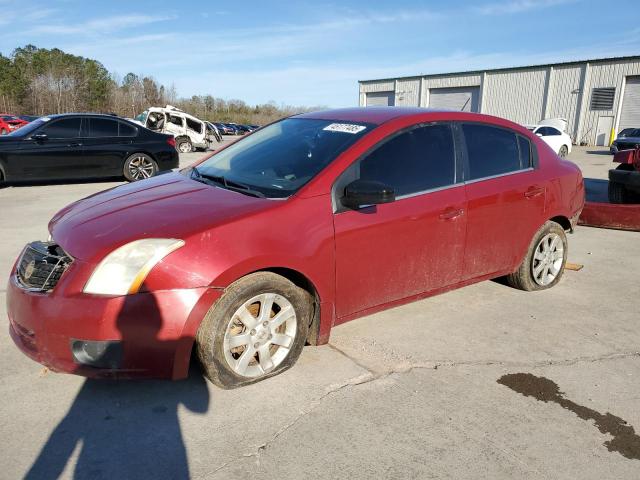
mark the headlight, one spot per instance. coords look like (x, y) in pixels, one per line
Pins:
(123, 270)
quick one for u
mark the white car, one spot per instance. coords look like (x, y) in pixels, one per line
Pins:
(558, 140)
(190, 132)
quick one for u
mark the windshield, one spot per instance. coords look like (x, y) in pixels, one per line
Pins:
(279, 159)
(29, 127)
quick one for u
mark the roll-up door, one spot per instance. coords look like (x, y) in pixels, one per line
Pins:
(457, 98)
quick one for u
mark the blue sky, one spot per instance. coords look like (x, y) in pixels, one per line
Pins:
(313, 53)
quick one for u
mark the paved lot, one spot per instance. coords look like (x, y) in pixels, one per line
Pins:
(427, 390)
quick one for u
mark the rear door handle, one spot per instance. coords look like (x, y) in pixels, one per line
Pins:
(74, 144)
(451, 213)
(534, 192)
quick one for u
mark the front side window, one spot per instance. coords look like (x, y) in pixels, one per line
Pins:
(490, 150)
(175, 120)
(64, 128)
(279, 159)
(414, 161)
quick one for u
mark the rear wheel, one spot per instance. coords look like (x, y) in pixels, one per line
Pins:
(184, 145)
(544, 263)
(139, 166)
(564, 151)
(256, 330)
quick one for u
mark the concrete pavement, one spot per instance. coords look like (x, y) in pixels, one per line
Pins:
(411, 392)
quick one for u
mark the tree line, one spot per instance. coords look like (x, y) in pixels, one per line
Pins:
(39, 81)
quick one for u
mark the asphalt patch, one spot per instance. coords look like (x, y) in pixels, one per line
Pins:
(625, 441)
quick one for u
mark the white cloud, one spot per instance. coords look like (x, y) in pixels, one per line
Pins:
(100, 25)
(518, 6)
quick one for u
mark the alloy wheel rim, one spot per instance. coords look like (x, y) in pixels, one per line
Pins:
(185, 147)
(141, 168)
(547, 259)
(260, 335)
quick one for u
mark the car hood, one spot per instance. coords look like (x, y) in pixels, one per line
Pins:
(168, 206)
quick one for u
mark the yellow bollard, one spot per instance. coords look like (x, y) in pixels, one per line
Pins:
(613, 136)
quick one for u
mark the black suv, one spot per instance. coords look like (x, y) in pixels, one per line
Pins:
(82, 145)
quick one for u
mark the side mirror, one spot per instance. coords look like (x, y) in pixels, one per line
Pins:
(539, 134)
(39, 137)
(367, 192)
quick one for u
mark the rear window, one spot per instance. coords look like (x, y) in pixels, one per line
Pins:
(491, 151)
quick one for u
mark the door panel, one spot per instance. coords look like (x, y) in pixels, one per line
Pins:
(392, 251)
(104, 149)
(503, 215)
(415, 244)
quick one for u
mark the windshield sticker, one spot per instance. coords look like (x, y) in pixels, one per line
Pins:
(344, 128)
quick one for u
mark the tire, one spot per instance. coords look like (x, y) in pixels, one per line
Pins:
(618, 193)
(526, 277)
(231, 367)
(184, 145)
(139, 166)
(563, 152)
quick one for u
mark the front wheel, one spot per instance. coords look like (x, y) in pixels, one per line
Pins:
(139, 166)
(544, 263)
(254, 331)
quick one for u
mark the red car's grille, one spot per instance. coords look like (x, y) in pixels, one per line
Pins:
(42, 265)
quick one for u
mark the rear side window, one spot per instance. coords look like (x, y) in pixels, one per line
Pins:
(103, 127)
(175, 120)
(126, 130)
(194, 125)
(525, 152)
(65, 128)
(491, 151)
(414, 161)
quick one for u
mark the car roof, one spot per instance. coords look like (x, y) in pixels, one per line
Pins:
(380, 115)
(82, 114)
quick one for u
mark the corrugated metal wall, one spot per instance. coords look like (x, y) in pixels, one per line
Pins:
(564, 95)
(529, 94)
(518, 95)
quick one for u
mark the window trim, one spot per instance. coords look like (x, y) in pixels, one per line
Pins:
(337, 207)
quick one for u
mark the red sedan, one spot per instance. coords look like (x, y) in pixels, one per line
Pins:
(302, 225)
(9, 123)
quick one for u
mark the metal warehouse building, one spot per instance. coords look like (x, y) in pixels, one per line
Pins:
(595, 96)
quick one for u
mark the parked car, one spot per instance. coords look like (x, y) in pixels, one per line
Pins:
(28, 118)
(392, 205)
(628, 138)
(624, 180)
(12, 122)
(84, 146)
(558, 140)
(242, 129)
(190, 132)
(224, 128)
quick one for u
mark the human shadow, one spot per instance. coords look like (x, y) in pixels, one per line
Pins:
(126, 429)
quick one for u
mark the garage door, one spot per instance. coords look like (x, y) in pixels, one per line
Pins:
(458, 98)
(380, 99)
(630, 115)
